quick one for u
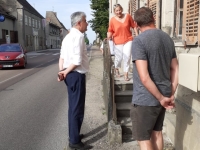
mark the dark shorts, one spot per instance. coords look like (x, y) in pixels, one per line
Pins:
(145, 119)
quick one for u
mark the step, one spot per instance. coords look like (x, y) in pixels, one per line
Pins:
(123, 109)
(126, 125)
(121, 85)
(123, 96)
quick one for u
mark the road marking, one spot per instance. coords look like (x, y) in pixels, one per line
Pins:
(43, 63)
(32, 57)
(38, 66)
(56, 54)
(10, 78)
(50, 60)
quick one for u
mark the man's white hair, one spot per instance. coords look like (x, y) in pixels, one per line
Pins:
(76, 17)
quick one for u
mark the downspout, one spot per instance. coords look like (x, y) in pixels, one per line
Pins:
(24, 28)
(23, 22)
(160, 14)
(175, 14)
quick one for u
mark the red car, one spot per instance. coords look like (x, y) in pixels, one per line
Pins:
(12, 55)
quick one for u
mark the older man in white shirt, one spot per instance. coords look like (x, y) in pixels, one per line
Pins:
(74, 60)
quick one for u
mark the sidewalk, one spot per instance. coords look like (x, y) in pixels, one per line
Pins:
(95, 122)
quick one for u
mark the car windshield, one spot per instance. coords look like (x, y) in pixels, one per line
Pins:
(10, 48)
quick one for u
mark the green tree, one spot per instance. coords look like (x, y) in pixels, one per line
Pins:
(100, 12)
(86, 39)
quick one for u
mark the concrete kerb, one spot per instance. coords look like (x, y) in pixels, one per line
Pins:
(114, 133)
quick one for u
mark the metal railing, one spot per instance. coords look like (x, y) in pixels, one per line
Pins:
(109, 84)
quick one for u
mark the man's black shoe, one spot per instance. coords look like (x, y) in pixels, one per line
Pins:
(81, 136)
(77, 146)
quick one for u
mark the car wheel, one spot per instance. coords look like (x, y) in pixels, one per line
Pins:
(24, 66)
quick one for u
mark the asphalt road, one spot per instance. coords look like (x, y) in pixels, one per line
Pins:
(33, 105)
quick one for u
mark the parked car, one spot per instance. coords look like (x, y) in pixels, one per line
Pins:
(12, 55)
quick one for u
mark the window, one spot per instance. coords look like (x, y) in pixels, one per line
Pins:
(133, 6)
(26, 20)
(29, 18)
(179, 17)
(190, 21)
(4, 33)
(154, 6)
(33, 23)
(39, 25)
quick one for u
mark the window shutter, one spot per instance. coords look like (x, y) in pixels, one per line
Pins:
(133, 6)
(191, 22)
(154, 5)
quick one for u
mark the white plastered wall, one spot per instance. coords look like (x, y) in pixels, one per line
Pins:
(167, 23)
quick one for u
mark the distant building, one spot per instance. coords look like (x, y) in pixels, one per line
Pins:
(30, 26)
(24, 24)
(8, 27)
(55, 30)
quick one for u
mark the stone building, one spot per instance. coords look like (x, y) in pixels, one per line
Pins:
(28, 23)
(7, 27)
(55, 30)
(30, 27)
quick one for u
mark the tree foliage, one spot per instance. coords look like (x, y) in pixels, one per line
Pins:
(86, 39)
(100, 12)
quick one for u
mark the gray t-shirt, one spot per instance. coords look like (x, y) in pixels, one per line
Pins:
(157, 48)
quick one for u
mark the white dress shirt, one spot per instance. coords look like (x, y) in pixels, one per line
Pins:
(74, 51)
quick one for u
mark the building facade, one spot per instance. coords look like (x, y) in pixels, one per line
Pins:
(55, 30)
(8, 29)
(30, 27)
(25, 24)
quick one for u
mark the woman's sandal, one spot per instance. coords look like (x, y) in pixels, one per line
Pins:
(126, 78)
(117, 73)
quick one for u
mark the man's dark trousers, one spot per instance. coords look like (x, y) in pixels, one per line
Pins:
(76, 86)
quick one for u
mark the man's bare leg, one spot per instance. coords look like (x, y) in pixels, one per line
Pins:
(145, 145)
(157, 140)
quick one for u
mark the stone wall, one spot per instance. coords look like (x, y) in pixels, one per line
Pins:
(185, 135)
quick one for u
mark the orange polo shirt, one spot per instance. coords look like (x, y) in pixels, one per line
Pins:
(121, 31)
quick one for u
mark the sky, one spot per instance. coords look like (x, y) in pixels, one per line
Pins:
(64, 9)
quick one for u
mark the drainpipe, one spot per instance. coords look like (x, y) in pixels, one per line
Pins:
(160, 24)
(23, 25)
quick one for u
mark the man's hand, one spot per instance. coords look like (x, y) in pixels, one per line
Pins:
(167, 102)
(61, 75)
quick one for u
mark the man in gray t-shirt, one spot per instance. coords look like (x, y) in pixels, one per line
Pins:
(155, 76)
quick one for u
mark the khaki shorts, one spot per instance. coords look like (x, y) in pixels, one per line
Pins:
(145, 119)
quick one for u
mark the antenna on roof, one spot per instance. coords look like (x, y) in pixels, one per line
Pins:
(52, 8)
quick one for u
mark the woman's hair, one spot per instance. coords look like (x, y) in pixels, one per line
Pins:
(77, 17)
(143, 16)
(117, 5)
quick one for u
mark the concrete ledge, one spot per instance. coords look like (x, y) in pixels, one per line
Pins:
(114, 133)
